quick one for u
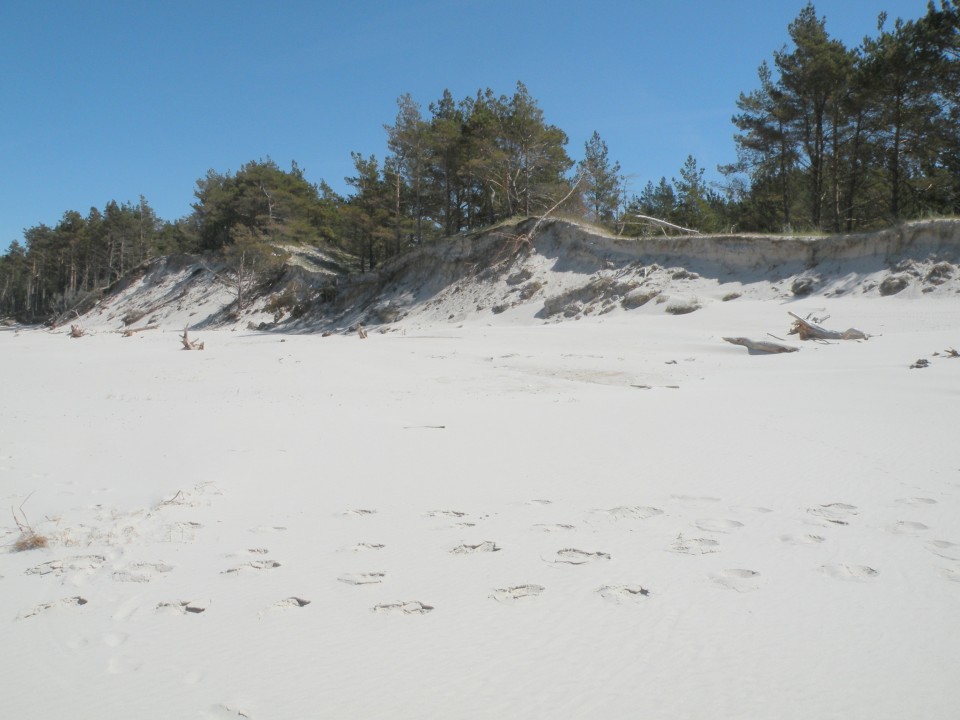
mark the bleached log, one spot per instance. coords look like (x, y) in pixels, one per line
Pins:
(806, 330)
(764, 346)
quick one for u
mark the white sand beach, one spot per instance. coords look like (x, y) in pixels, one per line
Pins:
(621, 516)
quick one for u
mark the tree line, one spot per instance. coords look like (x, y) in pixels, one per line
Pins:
(833, 138)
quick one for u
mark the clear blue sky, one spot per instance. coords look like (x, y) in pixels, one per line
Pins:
(111, 100)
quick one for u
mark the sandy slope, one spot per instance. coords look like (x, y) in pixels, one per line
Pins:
(617, 517)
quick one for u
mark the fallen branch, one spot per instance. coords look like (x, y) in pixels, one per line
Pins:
(763, 346)
(808, 330)
(189, 344)
(664, 223)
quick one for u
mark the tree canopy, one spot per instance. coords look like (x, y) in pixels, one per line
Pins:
(831, 138)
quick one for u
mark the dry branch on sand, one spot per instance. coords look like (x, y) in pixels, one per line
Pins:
(763, 346)
(808, 330)
(76, 331)
(29, 538)
(189, 344)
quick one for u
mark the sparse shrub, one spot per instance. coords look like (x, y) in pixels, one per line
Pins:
(30, 540)
(637, 298)
(803, 286)
(731, 296)
(530, 289)
(893, 284)
(682, 306)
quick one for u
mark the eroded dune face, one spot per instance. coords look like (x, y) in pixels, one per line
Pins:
(502, 517)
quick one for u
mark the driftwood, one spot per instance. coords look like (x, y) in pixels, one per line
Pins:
(808, 330)
(76, 331)
(361, 333)
(189, 344)
(665, 224)
(130, 332)
(763, 346)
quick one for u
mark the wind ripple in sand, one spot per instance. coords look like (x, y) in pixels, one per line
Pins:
(839, 571)
(519, 592)
(411, 607)
(623, 593)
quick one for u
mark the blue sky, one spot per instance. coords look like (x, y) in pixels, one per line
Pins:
(113, 100)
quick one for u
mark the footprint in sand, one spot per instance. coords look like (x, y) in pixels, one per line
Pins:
(267, 529)
(626, 512)
(62, 603)
(836, 513)
(945, 549)
(180, 532)
(181, 607)
(484, 547)
(573, 556)
(363, 547)
(856, 573)
(290, 602)
(446, 513)
(141, 572)
(554, 527)
(750, 508)
(916, 501)
(123, 664)
(516, 593)
(253, 565)
(906, 527)
(540, 502)
(694, 546)
(78, 563)
(952, 574)
(284, 605)
(225, 712)
(370, 578)
(801, 539)
(737, 579)
(358, 512)
(411, 607)
(115, 639)
(620, 594)
(695, 499)
(718, 525)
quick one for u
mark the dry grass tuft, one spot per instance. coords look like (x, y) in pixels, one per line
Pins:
(30, 540)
